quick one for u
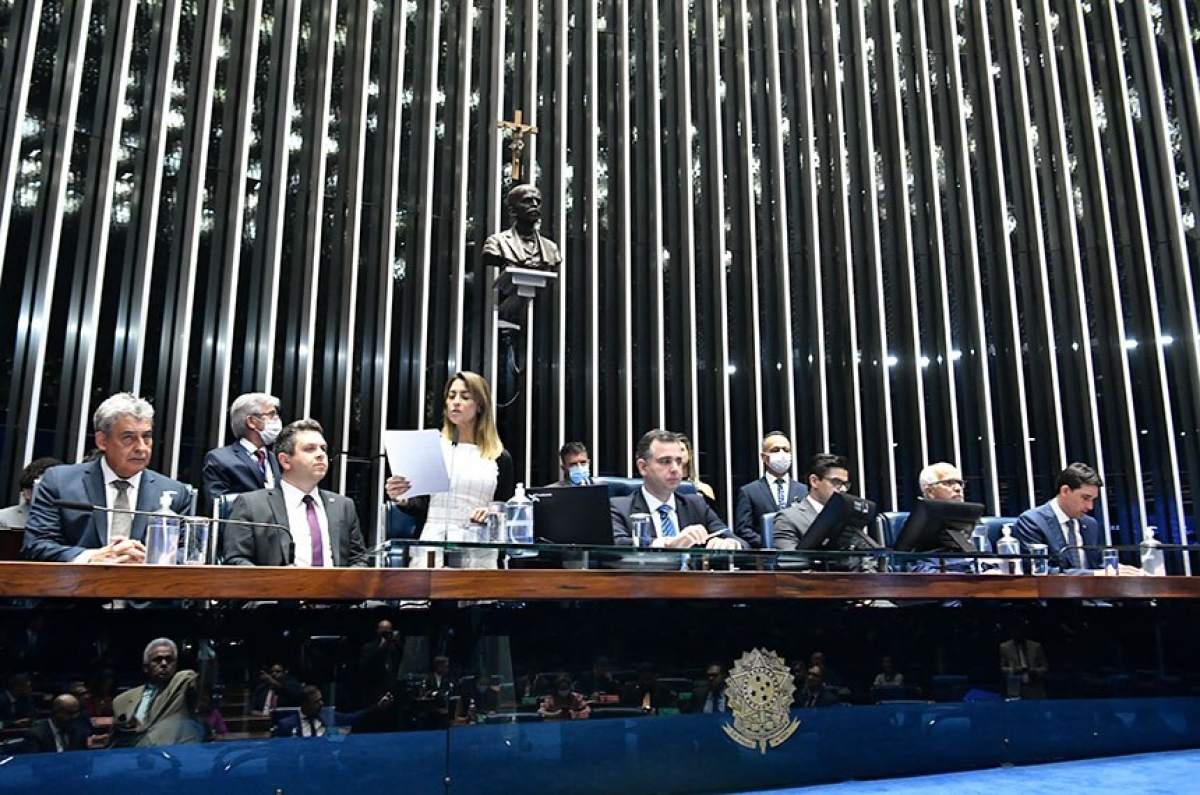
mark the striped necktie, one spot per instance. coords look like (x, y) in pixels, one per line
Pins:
(668, 525)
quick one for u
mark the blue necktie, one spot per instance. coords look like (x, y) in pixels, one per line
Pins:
(780, 494)
(668, 526)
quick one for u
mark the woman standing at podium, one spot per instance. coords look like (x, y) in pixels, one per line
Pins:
(481, 471)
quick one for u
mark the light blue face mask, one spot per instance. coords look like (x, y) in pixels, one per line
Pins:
(580, 474)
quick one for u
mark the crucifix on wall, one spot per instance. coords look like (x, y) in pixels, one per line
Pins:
(519, 131)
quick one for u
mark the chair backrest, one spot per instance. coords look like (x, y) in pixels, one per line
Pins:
(398, 524)
(223, 505)
(622, 487)
(995, 526)
(888, 526)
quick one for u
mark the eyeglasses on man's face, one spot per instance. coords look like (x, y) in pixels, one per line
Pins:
(837, 483)
(951, 483)
(270, 415)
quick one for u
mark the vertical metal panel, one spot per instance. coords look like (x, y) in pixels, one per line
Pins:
(37, 301)
(425, 141)
(263, 320)
(777, 92)
(979, 344)
(225, 347)
(625, 261)
(91, 264)
(993, 177)
(15, 77)
(173, 377)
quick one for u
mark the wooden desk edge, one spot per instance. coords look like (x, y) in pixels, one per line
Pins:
(64, 580)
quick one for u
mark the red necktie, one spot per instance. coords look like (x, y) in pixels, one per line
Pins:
(262, 462)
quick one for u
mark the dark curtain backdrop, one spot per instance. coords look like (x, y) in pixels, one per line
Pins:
(905, 232)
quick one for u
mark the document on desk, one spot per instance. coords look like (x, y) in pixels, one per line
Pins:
(417, 456)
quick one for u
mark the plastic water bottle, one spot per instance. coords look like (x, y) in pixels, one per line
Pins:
(1007, 545)
(983, 545)
(162, 533)
(1152, 555)
(518, 517)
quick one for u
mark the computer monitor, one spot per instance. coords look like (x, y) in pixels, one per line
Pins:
(572, 515)
(938, 525)
(843, 512)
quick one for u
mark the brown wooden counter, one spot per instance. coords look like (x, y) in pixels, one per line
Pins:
(231, 582)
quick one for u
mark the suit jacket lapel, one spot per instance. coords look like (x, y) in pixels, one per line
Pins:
(279, 515)
(93, 484)
(148, 493)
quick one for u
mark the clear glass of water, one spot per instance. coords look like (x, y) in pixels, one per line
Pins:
(641, 529)
(495, 523)
(1039, 563)
(1112, 562)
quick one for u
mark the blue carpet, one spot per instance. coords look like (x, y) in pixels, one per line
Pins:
(1144, 774)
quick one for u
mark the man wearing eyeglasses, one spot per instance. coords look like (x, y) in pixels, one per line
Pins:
(942, 481)
(827, 475)
(160, 711)
(249, 463)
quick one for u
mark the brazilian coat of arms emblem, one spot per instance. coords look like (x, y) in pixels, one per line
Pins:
(760, 698)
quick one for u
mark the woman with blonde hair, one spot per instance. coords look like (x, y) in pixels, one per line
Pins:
(481, 470)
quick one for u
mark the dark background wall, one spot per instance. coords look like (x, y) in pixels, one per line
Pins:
(901, 231)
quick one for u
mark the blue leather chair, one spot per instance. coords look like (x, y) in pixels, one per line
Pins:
(995, 526)
(622, 487)
(397, 524)
(888, 526)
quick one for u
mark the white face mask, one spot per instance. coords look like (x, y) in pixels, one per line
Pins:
(270, 431)
(779, 462)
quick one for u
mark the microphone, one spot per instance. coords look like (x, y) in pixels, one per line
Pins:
(454, 436)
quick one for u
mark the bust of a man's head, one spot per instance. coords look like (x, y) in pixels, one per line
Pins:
(525, 207)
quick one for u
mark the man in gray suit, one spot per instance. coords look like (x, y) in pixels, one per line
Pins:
(827, 474)
(322, 527)
(63, 527)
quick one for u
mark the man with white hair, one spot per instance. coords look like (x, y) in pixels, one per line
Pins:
(942, 481)
(160, 712)
(62, 525)
(249, 463)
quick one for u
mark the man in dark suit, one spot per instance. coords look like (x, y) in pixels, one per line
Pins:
(1063, 522)
(774, 491)
(248, 464)
(317, 720)
(61, 529)
(827, 474)
(322, 527)
(161, 711)
(678, 521)
(711, 696)
(65, 730)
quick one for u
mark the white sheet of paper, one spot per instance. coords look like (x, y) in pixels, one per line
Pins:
(417, 455)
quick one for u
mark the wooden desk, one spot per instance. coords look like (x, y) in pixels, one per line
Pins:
(61, 580)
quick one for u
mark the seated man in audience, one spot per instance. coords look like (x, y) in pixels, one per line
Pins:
(317, 720)
(564, 703)
(65, 730)
(711, 696)
(677, 521)
(813, 692)
(276, 688)
(774, 491)
(575, 464)
(60, 527)
(1063, 524)
(162, 711)
(14, 517)
(249, 463)
(17, 705)
(322, 527)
